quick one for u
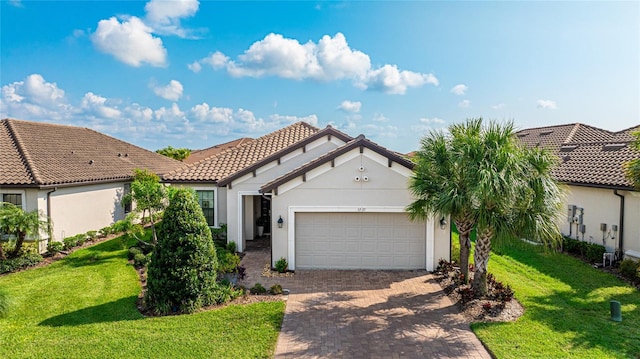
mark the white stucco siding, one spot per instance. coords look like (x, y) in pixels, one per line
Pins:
(80, 209)
(335, 189)
(249, 185)
(602, 206)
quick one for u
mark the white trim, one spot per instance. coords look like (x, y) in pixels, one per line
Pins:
(291, 228)
(239, 244)
(21, 192)
(215, 201)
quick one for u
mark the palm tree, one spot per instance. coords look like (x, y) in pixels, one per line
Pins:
(481, 176)
(14, 220)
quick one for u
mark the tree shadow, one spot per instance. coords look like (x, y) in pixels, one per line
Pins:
(366, 323)
(97, 254)
(115, 311)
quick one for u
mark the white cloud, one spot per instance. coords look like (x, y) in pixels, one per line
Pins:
(378, 117)
(169, 114)
(460, 89)
(195, 67)
(130, 42)
(547, 104)
(34, 98)
(204, 113)
(164, 16)
(96, 105)
(16, 3)
(330, 59)
(284, 120)
(172, 92)
(499, 106)
(464, 103)
(379, 131)
(350, 106)
(432, 121)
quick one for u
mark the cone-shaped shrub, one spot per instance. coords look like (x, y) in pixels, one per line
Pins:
(182, 273)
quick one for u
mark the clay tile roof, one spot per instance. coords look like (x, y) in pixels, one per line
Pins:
(229, 161)
(40, 154)
(199, 155)
(359, 141)
(589, 155)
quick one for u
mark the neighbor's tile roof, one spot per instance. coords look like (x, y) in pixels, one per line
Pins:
(588, 155)
(230, 161)
(199, 155)
(41, 154)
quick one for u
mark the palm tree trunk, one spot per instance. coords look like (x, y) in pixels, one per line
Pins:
(481, 258)
(464, 230)
(19, 241)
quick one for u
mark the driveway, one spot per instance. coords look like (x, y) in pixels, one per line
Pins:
(366, 314)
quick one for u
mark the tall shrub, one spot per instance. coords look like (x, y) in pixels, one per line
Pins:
(182, 273)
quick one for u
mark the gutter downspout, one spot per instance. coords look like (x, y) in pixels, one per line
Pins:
(50, 229)
(621, 231)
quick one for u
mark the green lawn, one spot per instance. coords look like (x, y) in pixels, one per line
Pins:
(84, 306)
(566, 309)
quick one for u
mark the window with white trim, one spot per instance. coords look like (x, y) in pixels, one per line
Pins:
(206, 199)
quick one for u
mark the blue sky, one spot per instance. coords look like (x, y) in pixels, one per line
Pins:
(194, 74)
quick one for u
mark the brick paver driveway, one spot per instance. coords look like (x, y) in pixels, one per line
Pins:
(367, 314)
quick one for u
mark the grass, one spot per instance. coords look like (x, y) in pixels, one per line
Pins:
(84, 306)
(567, 311)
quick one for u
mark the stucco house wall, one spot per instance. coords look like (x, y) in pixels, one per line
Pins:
(333, 187)
(603, 206)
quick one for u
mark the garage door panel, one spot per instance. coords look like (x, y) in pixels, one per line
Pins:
(359, 241)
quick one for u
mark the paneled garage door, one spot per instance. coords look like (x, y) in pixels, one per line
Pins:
(359, 241)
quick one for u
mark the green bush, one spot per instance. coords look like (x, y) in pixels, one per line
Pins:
(593, 252)
(275, 289)
(629, 269)
(140, 260)
(122, 225)
(231, 247)
(590, 251)
(133, 251)
(55, 247)
(91, 235)
(220, 234)
(225, 292)
(228, 262)
(281, 265)
(258, 289)
(4, 303)
(182, 275)
(25, 260)
(103, 232)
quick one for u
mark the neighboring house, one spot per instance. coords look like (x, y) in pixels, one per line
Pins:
(326, 200)
(74, 175)
(602, 205)
(198, 155)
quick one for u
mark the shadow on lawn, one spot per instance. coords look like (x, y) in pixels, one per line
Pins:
(98, 254)
(118, 310)
(584, 309)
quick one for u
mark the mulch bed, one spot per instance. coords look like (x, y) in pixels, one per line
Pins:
(486, 309)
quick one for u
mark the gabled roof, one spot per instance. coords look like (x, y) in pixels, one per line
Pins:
(199, 155)
(230, 161)
(358, 142)
(589, 156)
(36, 154)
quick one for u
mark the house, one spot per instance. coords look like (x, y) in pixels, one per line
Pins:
(325, 199)
(74, 175)
(602, 205)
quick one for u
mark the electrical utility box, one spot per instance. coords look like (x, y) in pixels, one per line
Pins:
(571, 213)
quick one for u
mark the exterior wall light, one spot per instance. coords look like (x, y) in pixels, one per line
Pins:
(280, 222)
(443, 223)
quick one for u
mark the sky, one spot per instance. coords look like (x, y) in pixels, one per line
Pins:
(198, 73)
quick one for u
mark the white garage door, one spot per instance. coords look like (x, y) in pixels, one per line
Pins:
(359, 241)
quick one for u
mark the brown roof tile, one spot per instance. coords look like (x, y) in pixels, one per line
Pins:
(588, 155)
(51, 154)
(229, 161)
(199, 155)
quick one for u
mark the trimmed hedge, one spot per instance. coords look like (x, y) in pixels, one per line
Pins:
(26, 260)
(590, 251)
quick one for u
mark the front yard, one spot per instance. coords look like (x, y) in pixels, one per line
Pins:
(566, 309)
(84, 306)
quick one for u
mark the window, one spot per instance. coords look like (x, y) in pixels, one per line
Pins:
(15, 198)
(127, 190)
(207, 203)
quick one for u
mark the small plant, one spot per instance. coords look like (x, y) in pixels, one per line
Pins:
(275, 289)
(25, 260)
(472, 268)
(486, 306)
(504, 294)
(281, 265)
(91, 235)
(140, 260)
(133, 251)
(55, 247)
(444, 266)
(242, 272)
(629, 269)
(258, 289)
(467, 294)
(103, 232)
(231, 247)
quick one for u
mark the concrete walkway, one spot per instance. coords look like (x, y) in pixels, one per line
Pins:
(366, 314)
